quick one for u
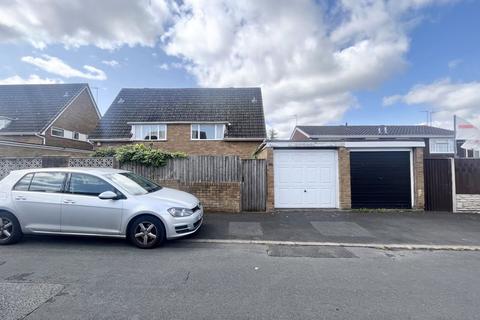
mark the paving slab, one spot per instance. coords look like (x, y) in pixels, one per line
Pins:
(340, 229)
(17, 300)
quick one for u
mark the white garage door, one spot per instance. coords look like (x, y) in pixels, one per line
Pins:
(305, 178)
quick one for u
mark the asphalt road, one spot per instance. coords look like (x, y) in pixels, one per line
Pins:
(76, 278)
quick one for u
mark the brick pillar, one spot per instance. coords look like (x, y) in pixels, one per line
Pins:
(344, 178)
(270, 181)
(418, 179)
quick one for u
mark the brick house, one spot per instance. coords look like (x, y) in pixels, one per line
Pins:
(353, 166)
(46, 119)
(197, 121)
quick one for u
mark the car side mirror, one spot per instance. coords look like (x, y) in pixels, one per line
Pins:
(108, 195)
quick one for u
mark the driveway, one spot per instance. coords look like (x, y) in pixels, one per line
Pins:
(420, 228)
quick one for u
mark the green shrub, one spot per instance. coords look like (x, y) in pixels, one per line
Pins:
(139, 153)
(104, 152)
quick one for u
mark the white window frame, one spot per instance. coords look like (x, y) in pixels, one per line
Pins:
(216, 125)
(68, 134)
(56, 135)
(434, 141)
(142, 135)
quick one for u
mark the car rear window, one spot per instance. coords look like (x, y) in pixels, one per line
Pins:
(24, 183)
(47, 182)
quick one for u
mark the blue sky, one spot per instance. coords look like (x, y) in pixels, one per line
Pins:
(319, 62)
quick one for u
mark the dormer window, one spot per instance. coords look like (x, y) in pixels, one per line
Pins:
(207, 131)
(149, 132)
(4, 122)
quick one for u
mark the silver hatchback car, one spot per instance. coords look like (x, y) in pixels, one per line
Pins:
(94, 202)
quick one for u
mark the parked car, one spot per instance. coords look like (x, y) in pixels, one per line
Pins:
(94, 202)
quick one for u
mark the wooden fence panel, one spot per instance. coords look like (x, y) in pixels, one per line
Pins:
(193, 169)
(254, 185)
(467, 176)
(438, 185)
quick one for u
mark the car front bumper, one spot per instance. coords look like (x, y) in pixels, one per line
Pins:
(180, 227)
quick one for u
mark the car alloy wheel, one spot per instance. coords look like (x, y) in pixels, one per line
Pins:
(6, 228)
(146, 233)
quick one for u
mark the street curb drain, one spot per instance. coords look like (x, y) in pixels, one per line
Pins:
(382, 246)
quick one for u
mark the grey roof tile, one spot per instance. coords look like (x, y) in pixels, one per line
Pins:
(32, 106)
(377, 130)
(241, 107)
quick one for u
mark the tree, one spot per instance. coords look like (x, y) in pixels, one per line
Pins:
(272, 134)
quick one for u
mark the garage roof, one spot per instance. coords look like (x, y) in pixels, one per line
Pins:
(348, 131)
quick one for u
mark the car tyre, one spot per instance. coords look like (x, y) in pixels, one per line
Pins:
(10, 230)
(146, 232)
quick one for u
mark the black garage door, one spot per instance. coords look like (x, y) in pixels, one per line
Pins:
(380, 179)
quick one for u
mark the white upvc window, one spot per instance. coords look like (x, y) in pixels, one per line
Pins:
(442, 145)
(208, 131)
(68, 134)
(476, 153)
(58, 132)
(149, 132)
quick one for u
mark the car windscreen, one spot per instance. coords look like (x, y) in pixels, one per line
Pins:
(134, 184)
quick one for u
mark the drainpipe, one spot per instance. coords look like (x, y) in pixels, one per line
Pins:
(41, 137)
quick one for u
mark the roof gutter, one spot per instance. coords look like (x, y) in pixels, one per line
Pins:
(243, 139)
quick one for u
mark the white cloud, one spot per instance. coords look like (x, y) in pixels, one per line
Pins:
(454, 63)
(391, 100)
(56, 66)
(111, 63)
(164, 66)
(32, 79)
(308, 58)
(445, 98)
(107, 24)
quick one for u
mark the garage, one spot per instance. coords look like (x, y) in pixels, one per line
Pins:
(381, 179)
(306, 178)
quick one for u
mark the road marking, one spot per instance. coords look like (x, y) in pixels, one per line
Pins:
(383, 246)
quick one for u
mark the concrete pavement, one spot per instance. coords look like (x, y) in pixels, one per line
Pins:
(80, 278)
(422, 229)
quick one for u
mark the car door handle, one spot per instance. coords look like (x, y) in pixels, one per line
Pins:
(20, 198)
(67, 201)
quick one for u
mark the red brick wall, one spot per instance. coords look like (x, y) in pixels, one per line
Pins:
(16, 151)
(178, 139)
(26, 139)
(80, 116)
(344, 178)
(215, 196)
